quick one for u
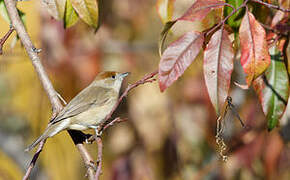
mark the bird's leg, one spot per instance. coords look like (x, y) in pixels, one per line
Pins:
(93, 138)
(98, 131)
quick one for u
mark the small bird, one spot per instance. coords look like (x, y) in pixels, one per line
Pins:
(87, 109)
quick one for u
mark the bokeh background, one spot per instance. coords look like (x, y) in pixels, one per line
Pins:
(168, 135)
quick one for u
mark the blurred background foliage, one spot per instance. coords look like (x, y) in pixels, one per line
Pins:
(168, 135)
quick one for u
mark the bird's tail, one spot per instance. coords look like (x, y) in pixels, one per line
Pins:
(50, 131)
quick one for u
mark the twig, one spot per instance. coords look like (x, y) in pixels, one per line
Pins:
(271, 6)
(146, 79)
(99, 158)
(4, 39)
(115, 121)
(33, 161)
(42, 75)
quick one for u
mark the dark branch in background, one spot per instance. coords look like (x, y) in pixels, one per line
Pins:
(42, 75)
(4, 39)
(274, 30)
(271, 6)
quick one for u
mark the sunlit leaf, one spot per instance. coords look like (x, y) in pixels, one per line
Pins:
(235, 20)
(200, 9)
(255, 57)
(55, 8)
(163, 35)
(165, 9)
(70, 16)
(218, 67)
(177, 57)
(88, 11)
(273, 88)
(5, 16)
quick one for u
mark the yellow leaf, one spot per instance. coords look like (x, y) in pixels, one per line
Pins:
(88, 11)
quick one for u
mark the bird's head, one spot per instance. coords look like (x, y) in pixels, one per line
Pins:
(110, 79)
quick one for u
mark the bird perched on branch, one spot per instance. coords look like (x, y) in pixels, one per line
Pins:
(87, 109)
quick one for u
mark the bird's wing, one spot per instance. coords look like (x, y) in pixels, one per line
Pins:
(94, 96)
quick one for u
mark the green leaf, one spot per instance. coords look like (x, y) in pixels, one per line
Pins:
(88, 11)
(273, 88)
(235, 20)
(70, 15)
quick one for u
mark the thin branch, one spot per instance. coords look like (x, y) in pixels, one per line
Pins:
(33, 161)
(271, 6)
(115, 121)
(99, 158)
(274, 30)
(146, 79)
(4, 39)
(42, 75)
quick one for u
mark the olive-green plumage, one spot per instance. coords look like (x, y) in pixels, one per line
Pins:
(87, 109)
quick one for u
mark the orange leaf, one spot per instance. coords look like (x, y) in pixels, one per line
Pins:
(255, 57)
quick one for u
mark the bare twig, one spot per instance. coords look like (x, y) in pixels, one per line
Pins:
(42, 75)
(271, 6)
(4, 39)
(115, 121)
(99, 158)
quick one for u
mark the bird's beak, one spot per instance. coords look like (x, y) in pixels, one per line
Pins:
(125, 74)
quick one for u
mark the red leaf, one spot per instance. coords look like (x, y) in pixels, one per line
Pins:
(200, 9)
(178, 56)
(218, 67)
(255, 57)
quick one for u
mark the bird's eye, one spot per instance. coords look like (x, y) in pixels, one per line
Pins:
(114, 77)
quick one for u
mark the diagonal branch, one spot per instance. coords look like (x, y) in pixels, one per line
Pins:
(46, 83)
(271, 6)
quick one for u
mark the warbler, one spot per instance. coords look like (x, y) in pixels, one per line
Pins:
(88, 108)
